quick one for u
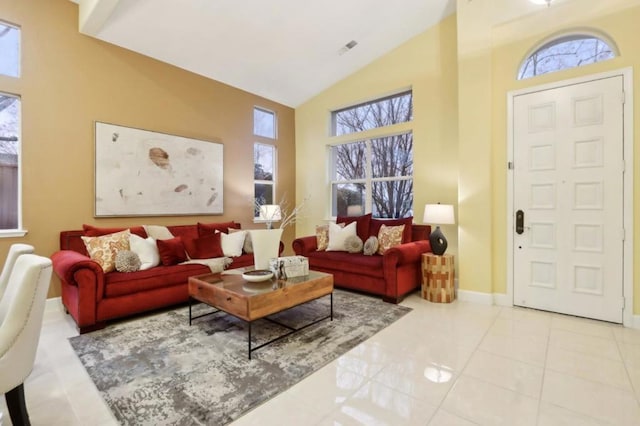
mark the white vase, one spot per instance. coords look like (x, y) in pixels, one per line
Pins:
(266, 246)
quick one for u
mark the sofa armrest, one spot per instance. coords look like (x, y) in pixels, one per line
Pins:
(304, 245)
(79, 270)
(406, 253)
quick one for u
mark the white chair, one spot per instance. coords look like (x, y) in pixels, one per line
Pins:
(21, 312)
(14, 251)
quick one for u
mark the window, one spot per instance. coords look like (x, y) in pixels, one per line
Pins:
(9, 50)
(9, 162)
(564, 53)
(264, 166)
(370, 115)
(264, 123)
(373, 175)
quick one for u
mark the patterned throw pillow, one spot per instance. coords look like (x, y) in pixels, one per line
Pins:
(353, 244)
(370, 246)
(389, 236)
(104, 249)
(322, 237)
(127, 261)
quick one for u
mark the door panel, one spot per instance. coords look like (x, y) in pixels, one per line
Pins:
(568, 182)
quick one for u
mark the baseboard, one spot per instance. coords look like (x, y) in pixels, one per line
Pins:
(475, 297)
(53, 304)
(635, 322)
(501, 299)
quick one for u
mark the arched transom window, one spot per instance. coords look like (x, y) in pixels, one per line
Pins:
(568, 51)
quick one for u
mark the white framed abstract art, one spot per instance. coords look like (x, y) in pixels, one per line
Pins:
(145, 173)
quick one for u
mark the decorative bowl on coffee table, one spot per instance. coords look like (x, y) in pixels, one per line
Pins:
(257, 275)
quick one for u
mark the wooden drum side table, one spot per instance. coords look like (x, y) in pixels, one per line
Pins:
(438, 278)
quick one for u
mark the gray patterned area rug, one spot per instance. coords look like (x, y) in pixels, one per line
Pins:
(157, 369)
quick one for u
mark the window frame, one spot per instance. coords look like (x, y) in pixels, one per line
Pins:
(272, 182)
(19, 231)
(368, 180)
(275, 122)
(563, 37)
(19, 47)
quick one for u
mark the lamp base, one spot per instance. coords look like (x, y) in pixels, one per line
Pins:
(438, 242)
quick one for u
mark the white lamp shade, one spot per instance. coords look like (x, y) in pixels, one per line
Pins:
(270, 212)
(439, 214)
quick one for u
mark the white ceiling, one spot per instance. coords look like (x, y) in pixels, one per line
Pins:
(284, 50)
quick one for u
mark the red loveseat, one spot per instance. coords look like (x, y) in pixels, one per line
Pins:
(93, 297)
(392, 275)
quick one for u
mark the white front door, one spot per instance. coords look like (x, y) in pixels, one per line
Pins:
(568, 199)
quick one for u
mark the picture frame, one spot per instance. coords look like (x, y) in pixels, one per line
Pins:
(146, 173)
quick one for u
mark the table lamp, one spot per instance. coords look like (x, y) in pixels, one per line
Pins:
(270, 213)
(438, 214)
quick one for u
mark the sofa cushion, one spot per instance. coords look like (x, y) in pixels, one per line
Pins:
(355, 263)
(363, 223)
(210, 228)
(158, 232)
(146, 249)
(184, 231)
(339, 235)
(407, 222)
(171, 251)
(247, 246)
(103, 249)
(124, 283)
(389, 236)
(206, 247)
(232, 243)
(93, 231)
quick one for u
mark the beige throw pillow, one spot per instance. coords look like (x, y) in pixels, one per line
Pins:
(104, 249)
(158, 232)
(338, 236)
(389, 236)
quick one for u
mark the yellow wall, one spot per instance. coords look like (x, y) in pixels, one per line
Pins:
(489, 57)
(427, 64)
(70, 80)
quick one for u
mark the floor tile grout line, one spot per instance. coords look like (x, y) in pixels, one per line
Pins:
(634, 391)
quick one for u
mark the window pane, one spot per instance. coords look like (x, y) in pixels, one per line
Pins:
(345, 195)
(264, 123)
(9, 50)
(379, 113)
(264, 195)
(392, 156)
(392, 199)
(263, 161)
(349, 161)
(564, 53)
(9, 151)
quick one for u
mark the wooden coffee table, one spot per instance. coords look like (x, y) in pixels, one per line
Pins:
(230, 293)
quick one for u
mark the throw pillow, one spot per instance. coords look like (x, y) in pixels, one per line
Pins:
(370, 246)
(211, 228)
(338, 235)
(207, 247)
(104, 249)
(353, 244)
(389, 236)
(158, 232)
(322, 237)
(247, 247)
(127, 261)
(147, 251)
(93, 231)
(362, 224)
(407, 222)
(171, 251)
(232, 243)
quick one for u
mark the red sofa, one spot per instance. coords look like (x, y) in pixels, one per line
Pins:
(93, 297)
(392, 275)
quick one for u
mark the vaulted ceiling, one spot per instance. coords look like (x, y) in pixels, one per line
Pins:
(284, 50)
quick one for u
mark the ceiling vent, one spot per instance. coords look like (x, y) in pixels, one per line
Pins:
(347, 47)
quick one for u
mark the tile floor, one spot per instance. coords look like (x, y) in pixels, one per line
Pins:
(442, 364)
